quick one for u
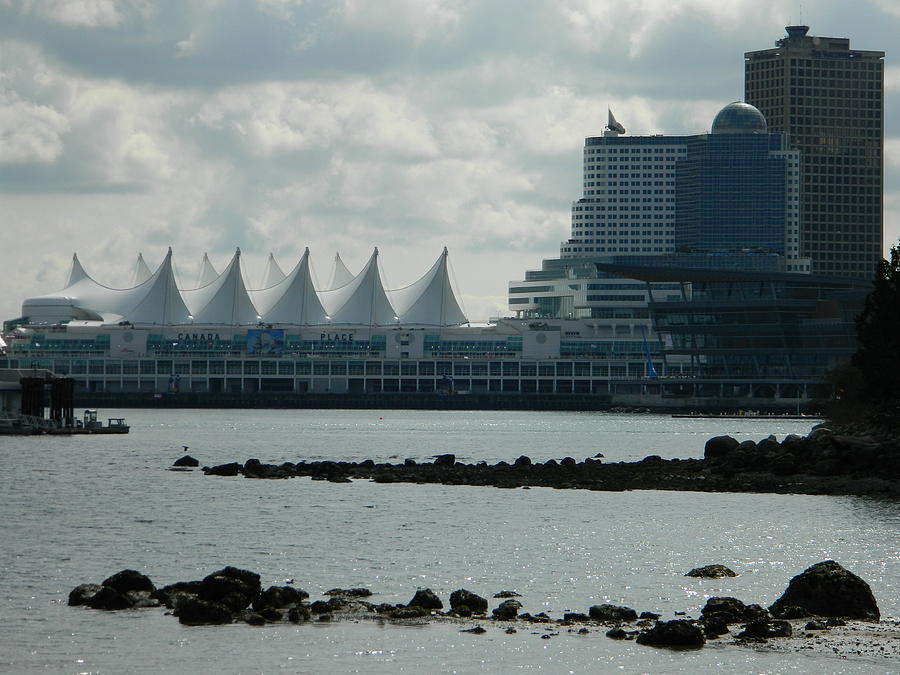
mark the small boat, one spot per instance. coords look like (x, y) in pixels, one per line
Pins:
(91, 425)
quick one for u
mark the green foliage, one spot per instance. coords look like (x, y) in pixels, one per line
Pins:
(878, 334)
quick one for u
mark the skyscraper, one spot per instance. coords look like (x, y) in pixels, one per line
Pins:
(829, 101)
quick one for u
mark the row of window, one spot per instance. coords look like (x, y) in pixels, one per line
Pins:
(341, 367)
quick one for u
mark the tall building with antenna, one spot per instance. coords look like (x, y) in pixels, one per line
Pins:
(828, 100)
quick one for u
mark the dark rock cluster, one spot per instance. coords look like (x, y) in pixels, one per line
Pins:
(840, 452)
(233, 595)
(824, 462)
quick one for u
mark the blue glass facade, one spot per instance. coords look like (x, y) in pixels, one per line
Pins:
(731, 193)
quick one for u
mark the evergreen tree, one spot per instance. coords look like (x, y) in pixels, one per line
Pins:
(878, 334)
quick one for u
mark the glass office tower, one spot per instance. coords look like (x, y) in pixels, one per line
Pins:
(736, 188)
(829, 101)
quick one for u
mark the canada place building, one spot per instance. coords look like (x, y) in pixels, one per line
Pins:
(829, 101)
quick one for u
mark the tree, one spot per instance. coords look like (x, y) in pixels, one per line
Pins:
(878, 334)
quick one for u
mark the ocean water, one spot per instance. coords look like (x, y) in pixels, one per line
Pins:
(78, 509)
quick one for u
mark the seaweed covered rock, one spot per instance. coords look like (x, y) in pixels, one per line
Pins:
(607, 612)
(711, 572)
(129, 580)
(81, 594)
(197, 612)
(278, 597)
(827, 589)
(731, 610)
(507, 610)
(464, 598)
(676, 633)
(426, 599)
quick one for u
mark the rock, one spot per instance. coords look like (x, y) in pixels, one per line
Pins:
(197, 612)
(349, 592)
(648, 615)
(141, 599)
(426, 599)
(675, 633)
(568, 462)
(254, 619)
(719, 446)
(81, 594)
(766, 629)
(271, 614)
(129, 580)
(409, 462)
(815, 625)
(714, 626)
(299, 614)
(230, 469)
(187, 460)
(819, 432)
(732, 610)
(445, 460)
(108, 598)
(411, 612)
(278, 597)
(612, 613)
(617, 634)
(576, 616)
(827, 589)
(173, 593)
(507, 610)
(792, 612)
(465, 598)
(507, 594)
(833, 622)
(327, 606)
(478, 630)
(711, 572)
(522, 461)
(232, 587)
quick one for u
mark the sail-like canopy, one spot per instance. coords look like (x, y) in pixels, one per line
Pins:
(76, 272)
(207, 274)
(155, 301)
(294, 300)
(362, 301)
(340, 275)
(141, 271)
(430, 301)
(225, 300)
(273, 273)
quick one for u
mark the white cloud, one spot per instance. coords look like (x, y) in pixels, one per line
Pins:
(86, 13)
(30, 132)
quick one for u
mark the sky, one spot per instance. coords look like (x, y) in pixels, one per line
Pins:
(131, 126)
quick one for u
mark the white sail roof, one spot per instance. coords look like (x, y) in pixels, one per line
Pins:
(207, 274)
(294, 300)
(76, 272)
(273, 273)
(155, 301)
(160, 303)
(362, 301)
(225, 300)
(340, 275)
(429, 301)
(141, 271)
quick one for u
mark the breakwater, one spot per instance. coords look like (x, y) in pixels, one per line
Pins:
(823, 463)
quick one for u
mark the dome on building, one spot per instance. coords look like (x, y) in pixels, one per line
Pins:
(739, 118)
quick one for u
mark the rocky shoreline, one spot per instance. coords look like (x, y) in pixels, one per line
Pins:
(826, 462)
(825, 606)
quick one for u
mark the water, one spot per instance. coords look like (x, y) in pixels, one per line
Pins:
(78, 509)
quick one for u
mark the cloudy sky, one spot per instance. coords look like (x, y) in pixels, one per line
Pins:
(129, 126)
